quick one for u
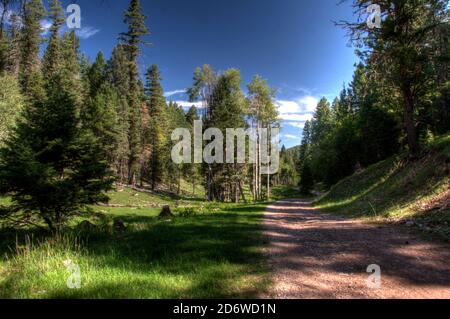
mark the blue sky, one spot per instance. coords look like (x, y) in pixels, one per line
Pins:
(291, 43)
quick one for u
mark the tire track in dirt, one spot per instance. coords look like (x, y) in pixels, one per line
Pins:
(315, 255)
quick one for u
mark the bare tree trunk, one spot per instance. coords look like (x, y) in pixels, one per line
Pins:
(258, 175)
(410, 125)
(210, 184)
(131, 174)
(241, 191)
(179, 183)
(269, 150)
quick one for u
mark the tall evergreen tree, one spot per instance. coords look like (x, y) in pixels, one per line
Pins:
(100, 111)
(176, 118)
(11, 105)
(227, 110)
(117, 75)
(53, 55)
(30, 76)
(156, 133)
(4, 6)
(12, 58)
(402, 52)
(132, 40)
(321, 122)
(51, 166)
(97, 74)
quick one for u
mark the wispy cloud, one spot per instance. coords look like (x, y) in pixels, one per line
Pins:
(174, 92)
(295, 113)
(296, 90)
(305, 104)
(290, 137)
(83, 33)
(187, 104)
(299, 125)
(294, 117)
(87, 32)
(45, 26)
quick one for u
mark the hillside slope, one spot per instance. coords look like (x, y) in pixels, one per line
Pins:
(398, 190)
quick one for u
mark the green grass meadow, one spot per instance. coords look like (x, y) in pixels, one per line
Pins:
(207, 251)
(398, 189)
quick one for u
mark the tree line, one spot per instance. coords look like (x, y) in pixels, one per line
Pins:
(70, 128)
(398, 100)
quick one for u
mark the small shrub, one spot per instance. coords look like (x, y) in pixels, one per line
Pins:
(187, 212)
(105, 223)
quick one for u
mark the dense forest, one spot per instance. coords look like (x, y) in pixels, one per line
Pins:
(93, 205)
(398, 100)
(71, 129)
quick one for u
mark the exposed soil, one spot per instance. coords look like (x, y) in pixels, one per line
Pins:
(316, 255)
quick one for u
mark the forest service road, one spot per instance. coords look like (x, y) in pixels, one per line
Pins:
(315, 255)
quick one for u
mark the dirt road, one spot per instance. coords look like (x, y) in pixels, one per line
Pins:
(315, 255)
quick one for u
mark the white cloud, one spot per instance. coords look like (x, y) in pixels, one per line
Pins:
(304, 106)
(308, 103)
(290, 137)
(198, 105)
(174, 92)
(87, 32)
(295, 113)
(300, 125)
(45, 25)
(83, 33)
(288, 107)
(296, 117)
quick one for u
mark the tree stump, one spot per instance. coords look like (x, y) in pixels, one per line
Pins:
(166, 212)
(119, 225)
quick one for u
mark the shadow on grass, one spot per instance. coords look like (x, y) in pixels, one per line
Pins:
(385, 187)
(217, 256)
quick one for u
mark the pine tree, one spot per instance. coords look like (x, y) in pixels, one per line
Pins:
(4, 41)
(227, 110)
(30, 76)
(156, 132)
(11, 105)
(321, 122)
(53, 55)
(71, 68)
(174, 172)
(14, 47)
(132, 40)
(101, 108)
(117, 74)
(97, 74)
(100, 117)
(51, 167)
(304, 147)
(306, 179)
(401, 50)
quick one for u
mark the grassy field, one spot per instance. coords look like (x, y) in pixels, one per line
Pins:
(206, 251)
(398, 190)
